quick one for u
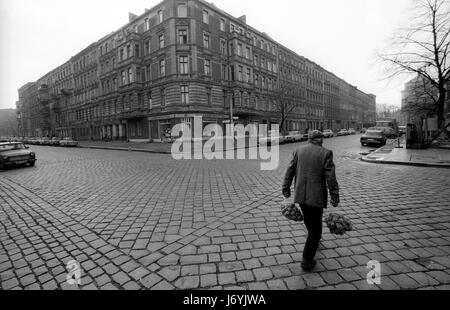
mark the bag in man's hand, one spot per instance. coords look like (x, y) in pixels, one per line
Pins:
(291, 210)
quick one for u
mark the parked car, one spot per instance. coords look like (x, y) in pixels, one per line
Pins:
(15, 154)
(305, 136)
(342, 132)
(363, 130)
(402, 130)
(44, 141)
(293, 136)
(68, 142)
(328, 133)
(389, 132)
(55, 141)
(374, 136)
(33, 141)
(352, 131)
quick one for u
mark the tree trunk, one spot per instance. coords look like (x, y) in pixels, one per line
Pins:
(440, 114)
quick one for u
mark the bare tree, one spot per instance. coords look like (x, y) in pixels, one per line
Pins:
(422, 48)
(285, 103)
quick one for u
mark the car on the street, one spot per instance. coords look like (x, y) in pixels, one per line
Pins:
(33, 141)
(44, 141)
(15, 154)
(328, 133)
(55, 141)
(374, 136)
(342, 132)
(363, 130)
(68, 142)
(352, 131)
(293, 136)
(271, 138)
(402, 130)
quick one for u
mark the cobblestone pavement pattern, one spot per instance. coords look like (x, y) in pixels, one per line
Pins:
(145, 221)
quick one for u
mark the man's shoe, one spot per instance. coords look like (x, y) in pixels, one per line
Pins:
(308, 265)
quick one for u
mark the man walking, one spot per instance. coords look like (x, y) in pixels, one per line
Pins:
(313, 168)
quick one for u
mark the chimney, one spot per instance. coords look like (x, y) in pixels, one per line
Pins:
(243, 19)
(132, 17)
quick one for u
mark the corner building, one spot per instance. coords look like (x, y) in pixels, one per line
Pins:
(178, 60)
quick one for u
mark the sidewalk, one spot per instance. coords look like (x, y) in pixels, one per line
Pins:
(158, 148)
(433, 157)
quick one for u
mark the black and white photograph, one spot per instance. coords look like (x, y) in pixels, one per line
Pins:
(241, 146)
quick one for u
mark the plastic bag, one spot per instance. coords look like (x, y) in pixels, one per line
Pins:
(291, 210)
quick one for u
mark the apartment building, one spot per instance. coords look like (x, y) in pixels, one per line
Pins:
(178, 60)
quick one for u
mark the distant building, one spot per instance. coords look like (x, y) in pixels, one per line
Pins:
(8, 123)
(178, 60)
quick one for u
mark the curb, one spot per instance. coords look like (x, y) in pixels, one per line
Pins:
(402, 163)
(123, 149)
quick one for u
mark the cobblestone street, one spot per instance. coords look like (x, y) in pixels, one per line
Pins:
(145, 221)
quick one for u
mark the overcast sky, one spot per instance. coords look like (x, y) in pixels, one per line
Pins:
(340, 35)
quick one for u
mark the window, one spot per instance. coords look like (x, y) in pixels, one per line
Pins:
(256, 60)
(240, 73)
(162, 67)
(247, 52)
(205, 17)
(137, 49)
(184, 65)
(121, 54)
(222, 24)
(160, 16)
(147, 24)
(130, 75)
(161, 41)
(223, 47)
(184, 94)
(224, 72)
(182, 36)
(256, 80)
(147, 48)
(232, 72)
(182, 10)
(239, 50)
(206, 40)
(128, 51)
(148, 73)
(207, 67)
(248, 75)
(124, 79)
